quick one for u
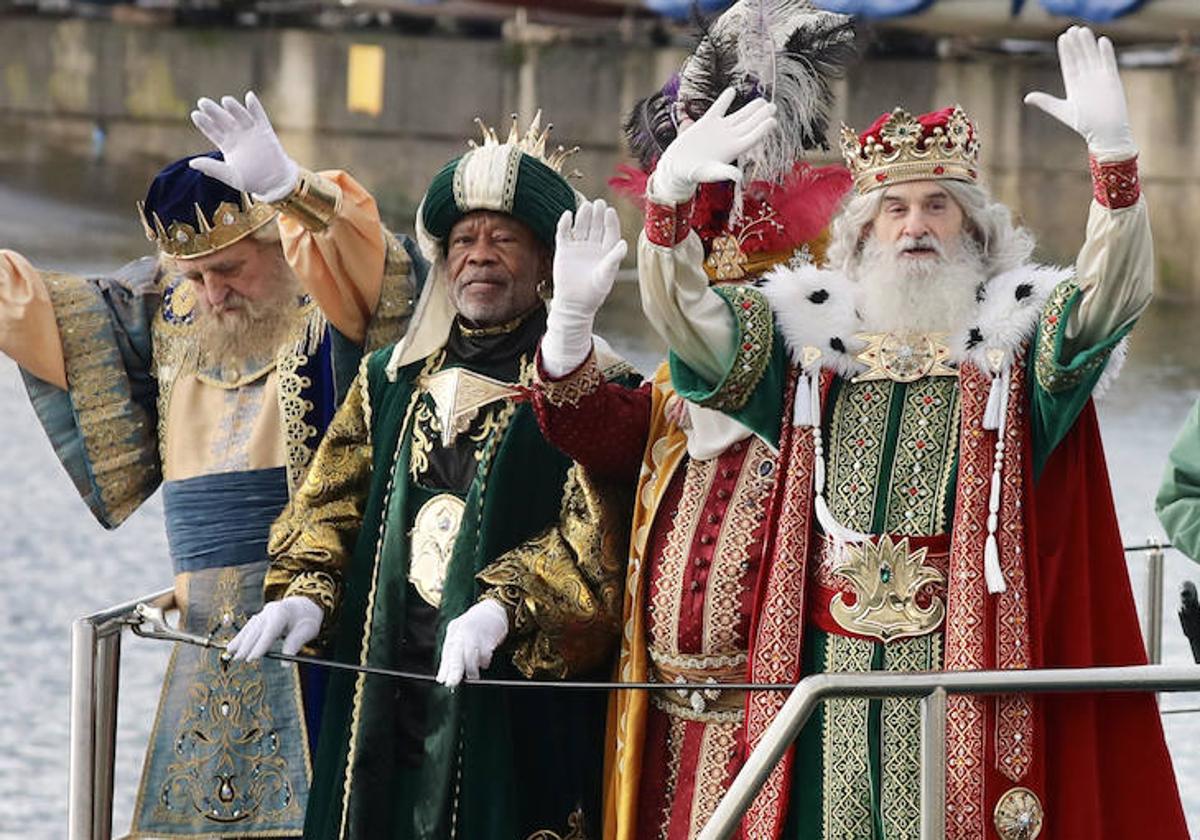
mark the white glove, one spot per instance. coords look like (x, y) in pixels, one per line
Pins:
(587, 255)
(705, 151)
(296, 620)
(255, 161)
(1095, 104)
(470, 641)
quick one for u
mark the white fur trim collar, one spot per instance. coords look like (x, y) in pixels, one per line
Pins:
(815, 308)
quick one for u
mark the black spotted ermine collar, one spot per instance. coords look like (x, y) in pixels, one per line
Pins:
(815, 308)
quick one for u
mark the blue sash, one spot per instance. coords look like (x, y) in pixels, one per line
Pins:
(222, 519)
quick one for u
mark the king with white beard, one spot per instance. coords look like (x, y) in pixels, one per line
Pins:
(941, 499)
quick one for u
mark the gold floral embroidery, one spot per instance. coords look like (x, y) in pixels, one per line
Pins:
(718, 745)
(667, 585)
(311, 541)
(425, 429)
(900, 725)
(397, 297)
(845, 765)
(727, 578)
(227, 728)
(574, 387)
(116, 433)
(856, 444)
(756, 336)
(576, 829)
(1052, 376)
(297, 434)
(563, 587)
(926, 443)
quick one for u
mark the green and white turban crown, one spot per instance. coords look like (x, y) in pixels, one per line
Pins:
(514, 177)
(517, 177)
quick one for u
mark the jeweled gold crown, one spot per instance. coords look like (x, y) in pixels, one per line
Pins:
(229, 224)
(900, 147)
(532, 143)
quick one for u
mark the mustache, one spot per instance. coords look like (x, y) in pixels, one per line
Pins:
(927, 242)
(486, 275)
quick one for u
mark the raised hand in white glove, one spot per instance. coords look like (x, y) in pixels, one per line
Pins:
(588, 250)
(255, 161)
(1095, 105)
(470, 641)
(296, 620)
(705, 151)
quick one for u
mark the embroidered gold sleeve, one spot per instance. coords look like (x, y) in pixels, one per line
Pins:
(397, 297)
(312, 541)
(562, 589)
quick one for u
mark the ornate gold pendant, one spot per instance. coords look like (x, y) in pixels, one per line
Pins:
(434, 531)
(458, 395)
(904, 357)
(1019, 815)
(886, 577)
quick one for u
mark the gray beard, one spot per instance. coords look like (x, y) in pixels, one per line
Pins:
(256, 329)
(898, 294)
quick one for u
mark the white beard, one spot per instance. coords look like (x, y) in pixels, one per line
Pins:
(928, 294)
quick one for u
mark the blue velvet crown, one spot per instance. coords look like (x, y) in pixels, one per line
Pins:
(188, 214)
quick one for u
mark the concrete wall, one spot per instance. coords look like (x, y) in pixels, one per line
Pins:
(57, 79)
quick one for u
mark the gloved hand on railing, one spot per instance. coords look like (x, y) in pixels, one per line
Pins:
(255, 161)
(296, 620)
(470, 641)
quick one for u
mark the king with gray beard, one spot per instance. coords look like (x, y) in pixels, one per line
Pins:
(941, 500)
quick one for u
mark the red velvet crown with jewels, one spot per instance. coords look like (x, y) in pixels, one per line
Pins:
(899, 147)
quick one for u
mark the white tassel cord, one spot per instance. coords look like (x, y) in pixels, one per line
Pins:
(838, 533)
(992, 572)
(802, 405)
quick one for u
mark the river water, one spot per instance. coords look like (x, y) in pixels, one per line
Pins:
(59, 564)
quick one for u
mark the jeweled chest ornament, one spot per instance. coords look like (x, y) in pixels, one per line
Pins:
(458, 395)
(886, 577)
(904, 357)
(1019, 815)
(434, 532)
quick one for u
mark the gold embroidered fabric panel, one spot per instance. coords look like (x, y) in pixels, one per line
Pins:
(845, 764)
(676, 729)
(900, 750)
(397, 295)
(562, 588)
(667, 583)
(298, 435)
(925, 447)
(228, 724)
(312, 540)
(856, 449)
(718, 745)
(115, 431)
(727, 576)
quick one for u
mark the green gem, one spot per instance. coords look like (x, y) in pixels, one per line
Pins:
(885, 574)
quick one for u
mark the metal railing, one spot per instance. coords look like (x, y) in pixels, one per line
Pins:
(932, 688)
(1152, 612)
(95, 680)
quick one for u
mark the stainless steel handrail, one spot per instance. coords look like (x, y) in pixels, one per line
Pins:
(95, 680)
(874, 684)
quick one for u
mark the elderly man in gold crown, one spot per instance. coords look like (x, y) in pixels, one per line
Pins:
(437, 524)
(210, 371)
(940, 499)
